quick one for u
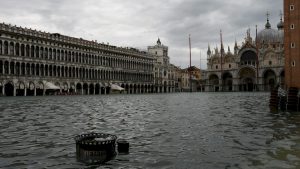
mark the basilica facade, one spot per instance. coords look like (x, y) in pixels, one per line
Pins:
(38, 63)
(256, 65)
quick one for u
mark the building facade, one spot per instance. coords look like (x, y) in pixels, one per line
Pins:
(39, 63)
(292, 42)
(192, 83)
(256, 65)
(164, 73)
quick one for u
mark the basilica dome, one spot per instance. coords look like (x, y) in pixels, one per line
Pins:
(269, 35)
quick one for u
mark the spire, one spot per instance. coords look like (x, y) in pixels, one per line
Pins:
(236, 48)
(222, 46)
(208, 51)
(268, 25)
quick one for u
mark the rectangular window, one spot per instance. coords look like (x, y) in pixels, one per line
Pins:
(292, 26)
(292, 45)
(292, 7)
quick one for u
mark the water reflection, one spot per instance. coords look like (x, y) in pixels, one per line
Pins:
(199, 130)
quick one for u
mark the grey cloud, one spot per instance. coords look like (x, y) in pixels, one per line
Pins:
(138, 23)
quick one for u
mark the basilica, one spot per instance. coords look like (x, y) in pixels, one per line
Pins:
(256, 65)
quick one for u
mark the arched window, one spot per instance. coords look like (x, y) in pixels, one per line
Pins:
(0, 47)
(37, 52)
(22, 50)
(32, 51)
(11, 48)
(248, 57)
(27, 51)
(6, 48)
(17, 48)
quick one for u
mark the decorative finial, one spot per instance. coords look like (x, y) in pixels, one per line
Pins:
(158, 41)
(268, 25)
(268, 15)
(281, 15)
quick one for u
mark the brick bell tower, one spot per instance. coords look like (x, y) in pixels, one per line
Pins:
(292, 43)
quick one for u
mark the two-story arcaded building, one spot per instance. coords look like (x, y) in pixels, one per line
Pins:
(39, 63)
(257, 65)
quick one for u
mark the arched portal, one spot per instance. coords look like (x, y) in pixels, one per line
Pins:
(97, 88)
(227, 81)
(9, 89)
(40, 89)
(20, 89)
(269, 80)
(214, 82)
(79, 88)
(72, 88)
(92, 89)
(282, 77)
(85, 88)
(247, 79)
(30, 89)
(107, 90)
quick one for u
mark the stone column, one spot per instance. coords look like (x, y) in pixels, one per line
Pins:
(9, 68)
(3, 90)
(44, 92)
(34, 91)
(25, 91)
(82, 90)
(15, 91)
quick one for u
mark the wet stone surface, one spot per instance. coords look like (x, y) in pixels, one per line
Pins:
(198, 130)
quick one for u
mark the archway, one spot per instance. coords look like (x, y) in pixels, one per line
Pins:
(97, 89)
(9, 89)
(1, 86)
(107, 90)
(134, 88)
(79, 88)
(72, 88)
(66, 88)
(165, 87)
(282, 77)
(227, 81)
(85, 88)
(269, 80)
(247, 76)
(92, 89)
(20, 90)
(214, 82)
(40, 89)
(30, 89)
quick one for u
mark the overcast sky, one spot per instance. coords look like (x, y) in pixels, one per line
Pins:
(138, 23)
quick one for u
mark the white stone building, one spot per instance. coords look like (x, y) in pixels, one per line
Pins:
(253, 66)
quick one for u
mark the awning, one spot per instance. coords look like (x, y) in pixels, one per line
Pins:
(116, 87)
(49, 85)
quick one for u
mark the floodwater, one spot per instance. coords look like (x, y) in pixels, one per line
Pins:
(181, 130)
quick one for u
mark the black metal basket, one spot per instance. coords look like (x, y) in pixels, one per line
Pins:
(95, 147)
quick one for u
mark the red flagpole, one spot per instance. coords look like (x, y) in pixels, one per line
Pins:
(190, 63)
(257, 61)
(222, 49)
